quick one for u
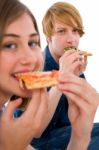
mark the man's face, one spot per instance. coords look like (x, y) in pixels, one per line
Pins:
(64, 36)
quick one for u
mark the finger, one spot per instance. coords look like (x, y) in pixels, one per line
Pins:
(70, 78)
(43, 107)
(71, 58)
(83, 106)
(73, 111)
(80, 88)
(81, 103)
(65, 78)
(77, 65)
(42, 113)
(10, 108)
(71, 87)
(34, 103)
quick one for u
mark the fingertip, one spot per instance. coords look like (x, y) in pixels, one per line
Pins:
(17, 101)
(14, 104)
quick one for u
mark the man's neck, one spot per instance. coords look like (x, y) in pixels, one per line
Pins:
(56, 58)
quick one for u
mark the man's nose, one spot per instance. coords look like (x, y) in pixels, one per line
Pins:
(70, 38)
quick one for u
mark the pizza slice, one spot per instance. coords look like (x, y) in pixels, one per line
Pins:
(85, 53)
(38, 79)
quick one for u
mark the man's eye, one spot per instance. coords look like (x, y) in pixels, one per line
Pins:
(61, 32)
(75, 30)
(33, 44)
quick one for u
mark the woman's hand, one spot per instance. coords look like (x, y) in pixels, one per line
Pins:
(17, 133)
(83, 101)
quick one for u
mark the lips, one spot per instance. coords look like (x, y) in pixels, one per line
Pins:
(16, 73)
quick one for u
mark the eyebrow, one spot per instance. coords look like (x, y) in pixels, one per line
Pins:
(18, 36)
(60, 28)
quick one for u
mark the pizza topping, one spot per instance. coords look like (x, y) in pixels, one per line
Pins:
(37, 79)
(85, 53)
(69, 48)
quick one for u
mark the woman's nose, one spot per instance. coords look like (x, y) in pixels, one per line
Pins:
(28, 57)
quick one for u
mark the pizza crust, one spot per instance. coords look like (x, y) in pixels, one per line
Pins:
(87, 54)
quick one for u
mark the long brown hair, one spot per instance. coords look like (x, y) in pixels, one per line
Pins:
(10, 10)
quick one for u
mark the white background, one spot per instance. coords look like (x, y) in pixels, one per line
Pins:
(89, 10)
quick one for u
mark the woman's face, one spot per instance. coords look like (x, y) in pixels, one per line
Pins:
(20, 52)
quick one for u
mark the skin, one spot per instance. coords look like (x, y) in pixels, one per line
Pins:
(20, 52)
(72, 61)
(82, 108)
(63, 36)
(67, 36)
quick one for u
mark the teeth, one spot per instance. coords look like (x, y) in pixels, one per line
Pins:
(21, 73)
(22, 84)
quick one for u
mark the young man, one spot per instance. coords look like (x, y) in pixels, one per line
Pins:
(63, 28)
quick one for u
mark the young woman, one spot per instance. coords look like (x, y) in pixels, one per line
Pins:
(19, 52)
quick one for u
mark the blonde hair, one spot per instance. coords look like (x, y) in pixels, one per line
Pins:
(62, 12)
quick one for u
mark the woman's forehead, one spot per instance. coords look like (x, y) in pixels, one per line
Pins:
(23, 23)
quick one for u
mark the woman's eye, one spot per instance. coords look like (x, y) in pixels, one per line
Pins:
(33, 44)
(10, 46)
